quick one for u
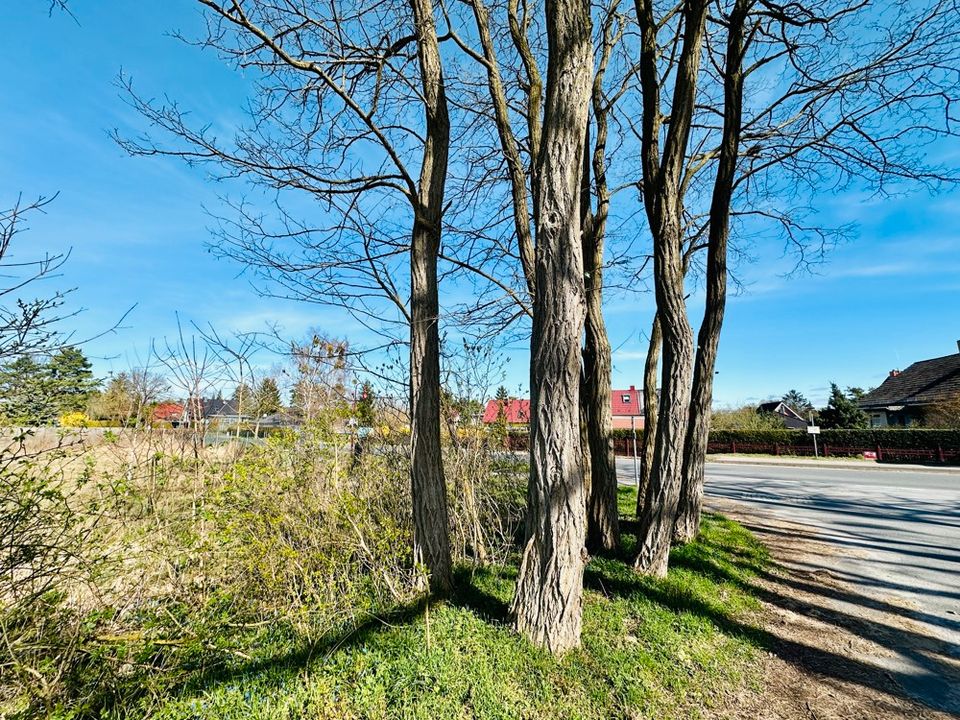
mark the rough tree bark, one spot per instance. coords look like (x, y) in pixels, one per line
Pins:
(547, 606)
(663, 203)
(691, 497)
(650, 409)
(603, 525)
(603, 521)
(431, 540)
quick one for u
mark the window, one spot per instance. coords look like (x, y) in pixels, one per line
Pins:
(625, 398)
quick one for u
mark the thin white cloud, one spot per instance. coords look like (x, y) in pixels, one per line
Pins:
(630, 354)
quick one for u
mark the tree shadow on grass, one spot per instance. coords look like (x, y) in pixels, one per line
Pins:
(474, 590)
(930, 685)
(484, 591)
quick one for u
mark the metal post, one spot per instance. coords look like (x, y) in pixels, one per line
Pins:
(816, 453)
(636, 468)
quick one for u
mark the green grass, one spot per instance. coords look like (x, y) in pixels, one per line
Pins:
(651, 648)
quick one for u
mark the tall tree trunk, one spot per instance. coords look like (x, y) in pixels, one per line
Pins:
(431, 538)
(650, 410)
(690, 504)
(666, 470)
(547, 606)
(665, 211)
(691, 499)
(603, 520)
(603, 525)
(585, 459)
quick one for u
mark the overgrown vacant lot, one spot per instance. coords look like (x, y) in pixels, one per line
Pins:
(275, 582)
(651, 649)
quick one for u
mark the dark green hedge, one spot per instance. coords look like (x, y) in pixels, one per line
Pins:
(868, 439)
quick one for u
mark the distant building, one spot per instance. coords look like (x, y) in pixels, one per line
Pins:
(170, 412)
(516, 412)
(905, 397)
(790, 417)
(625, 405)
(213, 412)
(627, 408)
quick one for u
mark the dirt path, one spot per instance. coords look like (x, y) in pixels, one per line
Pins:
(829, 642)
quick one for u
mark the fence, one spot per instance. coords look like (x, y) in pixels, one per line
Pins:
(623, 446)
(883, 454)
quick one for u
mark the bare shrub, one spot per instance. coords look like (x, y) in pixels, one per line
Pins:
(487, 495)
(44, 557)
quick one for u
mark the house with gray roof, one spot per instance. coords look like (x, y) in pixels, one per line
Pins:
(213, 412)
(906, 396)
(791, 419)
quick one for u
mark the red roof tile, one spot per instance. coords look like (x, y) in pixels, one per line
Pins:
(626, 402)
(516, 411)
(623, 403)
(168, 412)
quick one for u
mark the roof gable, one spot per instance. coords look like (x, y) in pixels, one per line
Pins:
(779, 407)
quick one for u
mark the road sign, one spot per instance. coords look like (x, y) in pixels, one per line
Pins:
(813, 429)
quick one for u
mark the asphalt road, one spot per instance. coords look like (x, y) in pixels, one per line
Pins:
(896, 536)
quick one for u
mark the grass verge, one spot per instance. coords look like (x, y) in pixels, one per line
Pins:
(651, 648)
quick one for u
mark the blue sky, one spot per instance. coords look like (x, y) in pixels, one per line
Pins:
(138, 229)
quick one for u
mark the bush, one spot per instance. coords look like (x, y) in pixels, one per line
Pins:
(307, 536)
(203, 554)
(43, 555)
(75, 419)
(487, 495)
(745, 418)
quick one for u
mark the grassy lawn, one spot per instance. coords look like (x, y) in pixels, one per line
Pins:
(651, 648)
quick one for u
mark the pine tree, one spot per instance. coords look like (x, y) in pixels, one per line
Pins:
(243, 399)
(27, 395)
(502, 397)
(797, 401)
(268, 397)
(366, 415)
(500, 424)
(117, 402)
(842, 411)
(71, 377)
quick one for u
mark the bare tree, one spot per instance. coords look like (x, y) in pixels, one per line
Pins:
(514, 107)
(339, 91)
(662, 178)
(855, 123)
(651, 403)
(320, 375)
(235, 357)
(548, 601)
(28, 326)
(687, 523)
(844, 92)
(603, 525)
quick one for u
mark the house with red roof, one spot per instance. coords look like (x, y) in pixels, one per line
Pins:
(625, 405)
(516, 412)
(627, 408)
(170, 412)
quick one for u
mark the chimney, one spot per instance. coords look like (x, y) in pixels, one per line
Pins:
(958, 345)
(894, 373)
